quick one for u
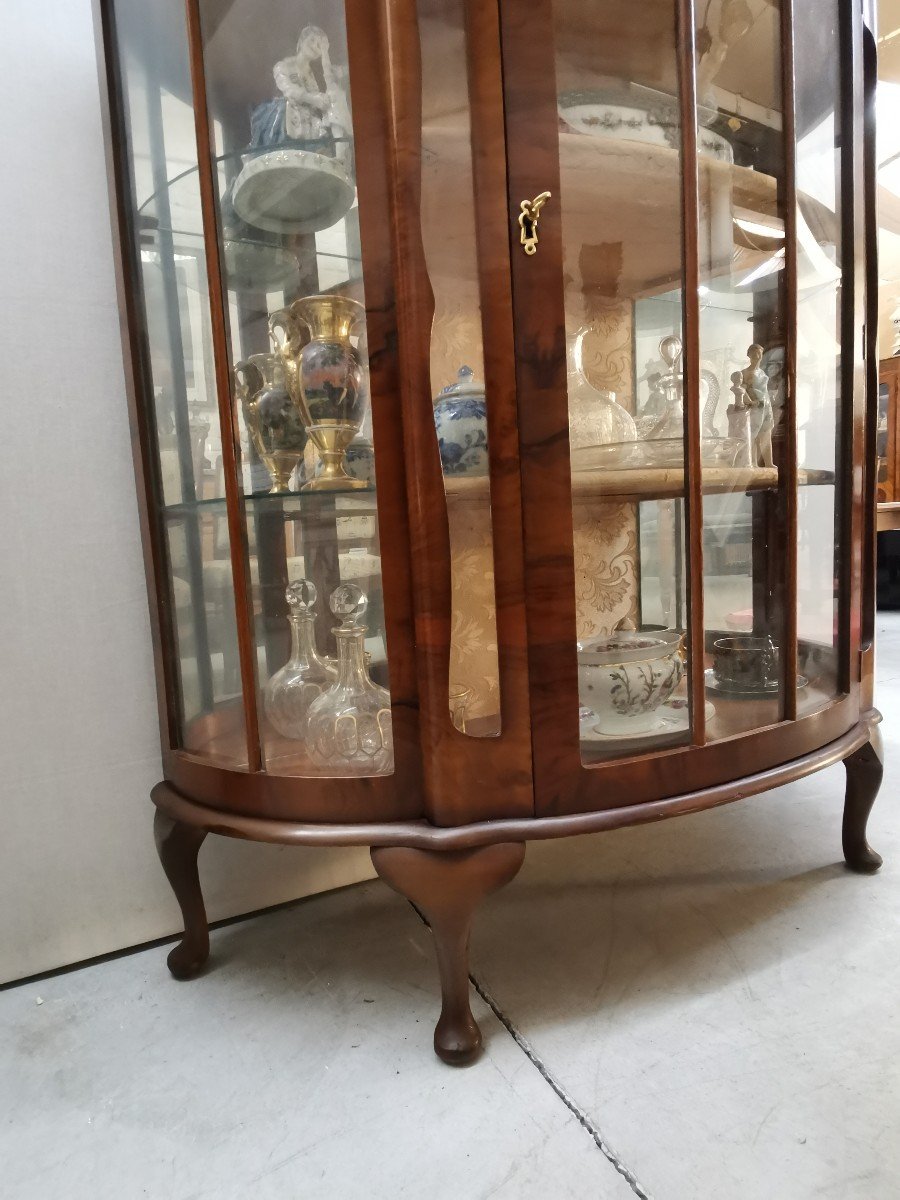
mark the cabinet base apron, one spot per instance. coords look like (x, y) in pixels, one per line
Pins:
(446, 872)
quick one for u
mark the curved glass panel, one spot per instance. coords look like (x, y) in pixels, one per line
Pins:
(821, 560)
(620, 159)
(279, 102)
(743, 328)
(162, 147)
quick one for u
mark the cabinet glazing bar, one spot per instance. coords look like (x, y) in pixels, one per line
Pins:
(789, 466)
(851, 498)
(368, 55)
(488, 134)
(870, 79)
(234, 502)
(452, 762)
(690, 214)
(429, 536)
(531, 119)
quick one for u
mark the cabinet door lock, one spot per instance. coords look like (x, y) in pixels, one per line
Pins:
(528, 222)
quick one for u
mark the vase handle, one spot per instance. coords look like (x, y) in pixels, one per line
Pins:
(286, 344)
(248, 381)
(281, 322)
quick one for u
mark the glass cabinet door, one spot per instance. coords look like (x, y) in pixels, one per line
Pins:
(696, 221)
(263, 401)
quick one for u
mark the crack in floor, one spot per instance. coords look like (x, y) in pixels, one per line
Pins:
(578, 1113)
(543, 1070)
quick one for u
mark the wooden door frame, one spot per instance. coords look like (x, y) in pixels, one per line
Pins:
(466, 778)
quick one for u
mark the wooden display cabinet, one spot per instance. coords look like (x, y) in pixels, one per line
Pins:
(700, 184)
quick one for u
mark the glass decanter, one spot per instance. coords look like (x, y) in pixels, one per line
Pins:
(670, 422)
(349, 727)
(595, 416)
(289, 693)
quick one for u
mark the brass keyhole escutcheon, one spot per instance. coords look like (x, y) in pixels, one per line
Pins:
(528, 222)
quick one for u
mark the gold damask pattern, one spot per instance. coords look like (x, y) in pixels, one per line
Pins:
(455, 337)
(605, 534)
(605, 566)
(473, 644)
(456, 341)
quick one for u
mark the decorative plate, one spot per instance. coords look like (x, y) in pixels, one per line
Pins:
(659, 123)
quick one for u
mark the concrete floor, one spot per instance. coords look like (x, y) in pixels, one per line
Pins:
(703, 1008)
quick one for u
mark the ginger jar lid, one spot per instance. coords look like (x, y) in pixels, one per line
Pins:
(466, 386)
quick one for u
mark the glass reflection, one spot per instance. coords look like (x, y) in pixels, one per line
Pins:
(620, 196)
(162, 153)
(819, 401)
(743, 320)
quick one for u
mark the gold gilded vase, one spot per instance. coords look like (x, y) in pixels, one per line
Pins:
(326, 379)
(271, 417)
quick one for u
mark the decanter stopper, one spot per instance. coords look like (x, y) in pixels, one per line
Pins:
(301, 596)
(670, 350)
(349, 603)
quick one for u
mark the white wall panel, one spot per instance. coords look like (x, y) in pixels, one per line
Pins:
(78, 729)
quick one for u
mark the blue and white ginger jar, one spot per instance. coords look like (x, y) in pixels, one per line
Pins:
(460, 418)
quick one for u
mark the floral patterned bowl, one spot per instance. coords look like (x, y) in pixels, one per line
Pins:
(625, 677)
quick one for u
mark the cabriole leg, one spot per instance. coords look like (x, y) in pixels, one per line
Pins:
(446, 888)
(865, 768)
(178, 846)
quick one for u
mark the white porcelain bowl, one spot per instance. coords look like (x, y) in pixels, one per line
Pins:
(624, 678)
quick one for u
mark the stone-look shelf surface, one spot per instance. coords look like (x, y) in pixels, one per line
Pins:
(655, 483)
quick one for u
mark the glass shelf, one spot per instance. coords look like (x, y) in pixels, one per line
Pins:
(189, 176)
(254, 260)
(292, 505)
(191, 242)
